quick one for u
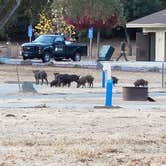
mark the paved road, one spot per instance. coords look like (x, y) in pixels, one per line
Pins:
(120, 65)
(11, 98)
(7, 100)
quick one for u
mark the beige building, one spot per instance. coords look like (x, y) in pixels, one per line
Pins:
(151, 43)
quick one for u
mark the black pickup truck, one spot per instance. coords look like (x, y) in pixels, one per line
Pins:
(46, 47)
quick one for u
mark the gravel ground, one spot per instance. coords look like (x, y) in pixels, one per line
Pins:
(60, 126)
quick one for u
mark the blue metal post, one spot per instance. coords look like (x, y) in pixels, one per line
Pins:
(108, 101)
(103, 79)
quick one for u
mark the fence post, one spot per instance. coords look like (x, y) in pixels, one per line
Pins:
(162, 75)
(18, 78)
(103, 79)
(108, 101)
(17, 50)
(9, 48)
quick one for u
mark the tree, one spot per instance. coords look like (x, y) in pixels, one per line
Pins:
(139, 8)
(7, 9)
(163, 4)
(134, 9)
(26, 14)
(91, 13)
(45, 25)
(53, 22)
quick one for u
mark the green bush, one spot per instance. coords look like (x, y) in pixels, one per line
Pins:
(83, 35)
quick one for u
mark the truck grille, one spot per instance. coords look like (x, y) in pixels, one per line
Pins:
(30, 48)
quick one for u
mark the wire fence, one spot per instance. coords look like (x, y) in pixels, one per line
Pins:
(12, 50)
(163, 74)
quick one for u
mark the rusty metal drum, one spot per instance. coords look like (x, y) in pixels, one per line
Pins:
(135, 93)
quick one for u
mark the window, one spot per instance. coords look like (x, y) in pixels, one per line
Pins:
(59, 39)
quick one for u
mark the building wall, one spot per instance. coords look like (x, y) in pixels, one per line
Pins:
(142, 47)
(160, 42)
(160, 46)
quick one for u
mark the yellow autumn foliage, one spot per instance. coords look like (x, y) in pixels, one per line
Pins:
(54, 24)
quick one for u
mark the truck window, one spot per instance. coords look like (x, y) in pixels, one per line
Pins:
(44, 39)
(59, 39)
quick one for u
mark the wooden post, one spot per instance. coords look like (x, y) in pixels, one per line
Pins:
(162, 75)
(90, 49)
(18, 79)
(98, 42)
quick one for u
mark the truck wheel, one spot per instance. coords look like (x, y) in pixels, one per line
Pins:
(46, 57)
(77, 57)
(58, 59)
(24, 58)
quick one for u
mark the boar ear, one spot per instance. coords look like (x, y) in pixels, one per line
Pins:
(55, 74)
(34, 71)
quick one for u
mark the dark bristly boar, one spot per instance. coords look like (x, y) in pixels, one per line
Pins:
(40, 75)
(81, 82)
(140, 82)
(66, 79)
(90, 80)
(54, 83)
(85, 79)
(115, 80)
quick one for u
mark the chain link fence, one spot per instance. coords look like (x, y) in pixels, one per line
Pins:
(12, 50)
(163, 72)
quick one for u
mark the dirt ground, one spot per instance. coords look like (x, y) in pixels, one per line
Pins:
(79, 134)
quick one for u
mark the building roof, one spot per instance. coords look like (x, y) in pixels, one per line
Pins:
(157, 19)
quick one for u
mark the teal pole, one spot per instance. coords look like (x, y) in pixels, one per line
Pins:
(108, 100)
(103, 79)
